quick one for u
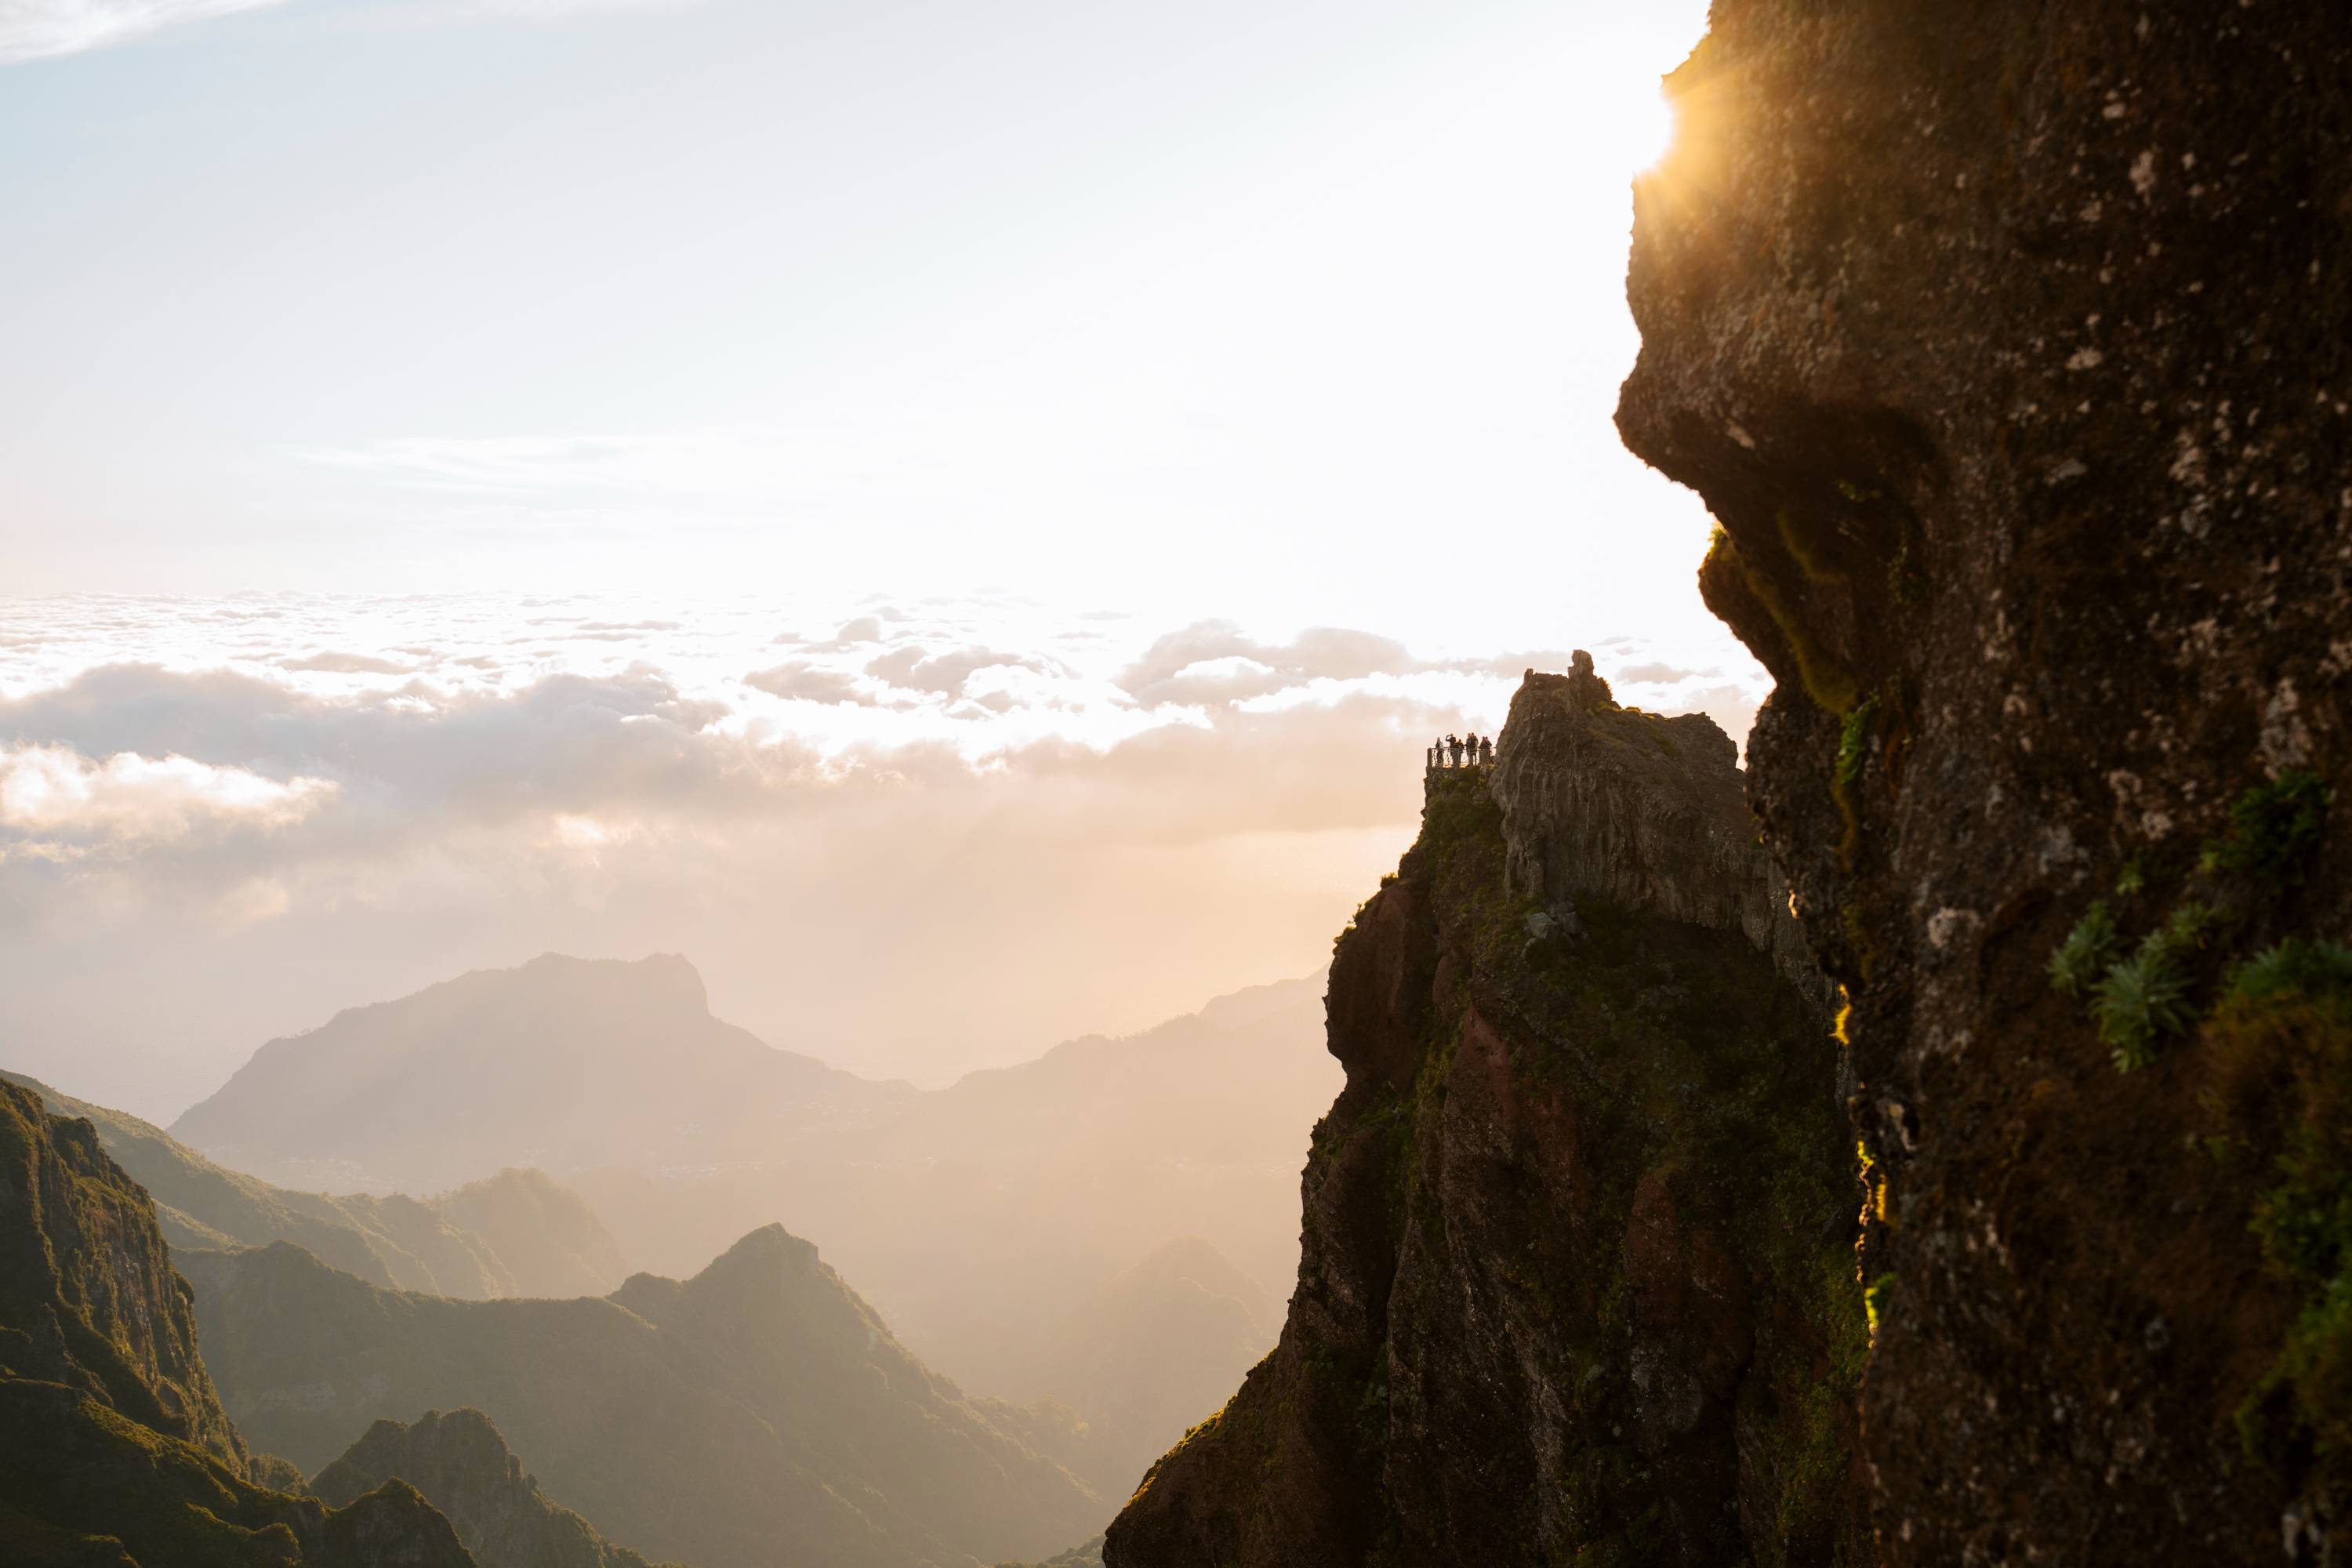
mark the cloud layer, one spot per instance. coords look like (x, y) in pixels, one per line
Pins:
(910, 837)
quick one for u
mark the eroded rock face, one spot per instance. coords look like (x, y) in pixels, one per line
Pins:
(2008, 344)
(1650, 812)
(1578, 1273)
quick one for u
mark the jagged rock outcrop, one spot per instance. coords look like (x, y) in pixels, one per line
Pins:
(114, 1448)
(713, 1420)
(2009, 345)
(1578, 1278)
(463, 1466)
(1650, 812)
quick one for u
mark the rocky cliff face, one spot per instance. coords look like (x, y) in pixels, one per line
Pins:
(114, 1451)
(2008, 343)
(1578, 1280)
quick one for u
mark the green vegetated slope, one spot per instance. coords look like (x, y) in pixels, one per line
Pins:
(463, 1466)
(114, 1448)
(517, 1233)
(757, 1412)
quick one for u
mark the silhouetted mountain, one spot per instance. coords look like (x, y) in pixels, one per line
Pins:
(564, 1063)
(463, 1466)
(515, 1234)
(758, 1410)
(114, 1449)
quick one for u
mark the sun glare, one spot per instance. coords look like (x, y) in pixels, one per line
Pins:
(1646, 129)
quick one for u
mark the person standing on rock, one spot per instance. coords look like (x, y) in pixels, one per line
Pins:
(1486, 751)
(1454, 741)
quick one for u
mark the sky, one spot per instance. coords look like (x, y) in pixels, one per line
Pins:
(957, 517)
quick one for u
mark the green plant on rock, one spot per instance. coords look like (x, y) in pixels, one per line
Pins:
(2282, 1049)
(2085, 955)
(2141, 1000)
(2273, 830)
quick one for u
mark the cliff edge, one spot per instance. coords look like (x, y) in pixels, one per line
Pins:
(1578, 1274)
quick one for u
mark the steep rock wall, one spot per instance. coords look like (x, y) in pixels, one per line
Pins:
(2008, 343)
(1578, 1273)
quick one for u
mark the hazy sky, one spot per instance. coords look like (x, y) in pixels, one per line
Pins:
(532, 367)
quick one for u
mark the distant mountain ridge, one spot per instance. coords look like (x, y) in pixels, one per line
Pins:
(564, 1063)
(718, 1420)
(517, 1233)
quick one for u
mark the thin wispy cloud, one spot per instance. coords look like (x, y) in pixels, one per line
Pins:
(35, 29)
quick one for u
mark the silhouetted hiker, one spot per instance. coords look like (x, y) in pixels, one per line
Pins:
(1486, 751)
(1454, 741)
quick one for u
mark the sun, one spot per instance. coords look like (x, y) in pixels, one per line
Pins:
(1645, 129)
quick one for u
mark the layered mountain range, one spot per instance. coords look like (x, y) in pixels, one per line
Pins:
(976, 1218)
(514, 1233)
(759, 1412)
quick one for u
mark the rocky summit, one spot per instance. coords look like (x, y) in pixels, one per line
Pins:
(2008, 343)
(1578, 1281)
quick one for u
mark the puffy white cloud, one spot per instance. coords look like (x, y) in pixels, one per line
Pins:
(56, 802)
(31, 29)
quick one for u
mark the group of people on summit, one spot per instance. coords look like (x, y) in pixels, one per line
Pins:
(1465, 752)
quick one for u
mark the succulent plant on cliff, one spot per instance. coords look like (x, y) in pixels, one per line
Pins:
(2085, 953)
(2146, 996)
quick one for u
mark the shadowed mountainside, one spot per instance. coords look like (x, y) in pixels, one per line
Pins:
(718, 1420)
(463, 1466)
(114, 1449)
(1578, 1282)
(2009, 344)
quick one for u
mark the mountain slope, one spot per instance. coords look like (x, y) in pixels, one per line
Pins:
(546, 1243)
(563, 1064)
(982, 1210)
(969, 1216)
(756, 1408)
(463, 1466)
(114, 1449)
(546, 1238)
